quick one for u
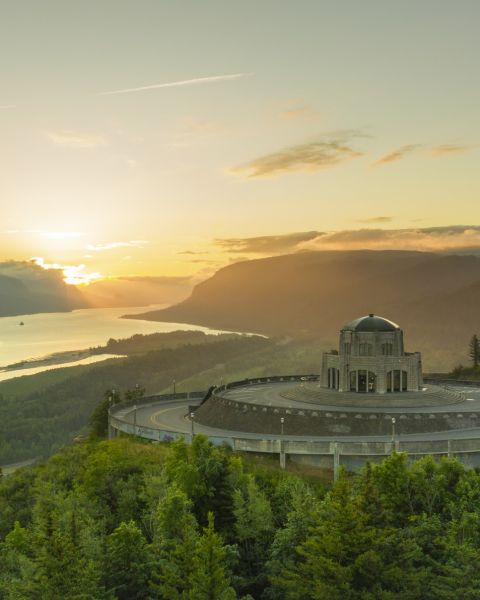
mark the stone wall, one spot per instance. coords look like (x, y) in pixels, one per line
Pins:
(224, 413)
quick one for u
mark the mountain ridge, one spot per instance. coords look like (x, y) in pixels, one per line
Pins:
(434, 297)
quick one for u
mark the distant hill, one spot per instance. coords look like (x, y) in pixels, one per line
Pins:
(434, 298)
(137, 291)
(26, 288)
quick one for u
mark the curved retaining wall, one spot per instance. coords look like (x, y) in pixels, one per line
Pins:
(320, 453)
(226, 413)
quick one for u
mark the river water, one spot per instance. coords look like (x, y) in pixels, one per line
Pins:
(46, 333)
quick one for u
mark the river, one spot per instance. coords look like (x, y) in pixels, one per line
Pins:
(47, 333)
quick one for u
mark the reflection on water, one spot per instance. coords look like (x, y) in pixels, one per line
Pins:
(46, 333)
(4, 375)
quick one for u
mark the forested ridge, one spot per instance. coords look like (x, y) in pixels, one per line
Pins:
(42, 418)
(131, 520)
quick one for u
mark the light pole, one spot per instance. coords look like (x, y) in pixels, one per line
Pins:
(393, 432)
(192, 416)
(134, 418)
(282, 421)
(174, 387)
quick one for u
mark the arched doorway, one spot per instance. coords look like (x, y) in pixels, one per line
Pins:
(363, 381)
(397, 381)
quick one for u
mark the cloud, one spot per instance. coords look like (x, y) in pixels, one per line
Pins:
(453, 237)
(184, 82)
(446, 149)
(375, 220)
(324, 153)
(268, 244)
(191, 252)
(72, 274)
(297, 111)
(76, 139)
(113, 245)
(397, 154)
(458, 238)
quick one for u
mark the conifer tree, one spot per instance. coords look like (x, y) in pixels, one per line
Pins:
(474, 351)
(209, 579)
(173, 545)
(128, 563)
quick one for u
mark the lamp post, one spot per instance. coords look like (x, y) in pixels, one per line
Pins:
(192, 416)
(174, 387)
(134, 418)
(393, 432)
(282, 421)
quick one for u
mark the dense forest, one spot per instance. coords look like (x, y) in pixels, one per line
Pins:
(131, 520)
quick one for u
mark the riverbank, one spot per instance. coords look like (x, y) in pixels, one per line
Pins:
(54, 359)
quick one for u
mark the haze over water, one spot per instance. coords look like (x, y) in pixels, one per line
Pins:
(46, 333)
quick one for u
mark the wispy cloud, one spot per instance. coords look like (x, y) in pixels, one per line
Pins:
(458, 238)
(297, 112)
(375, 220)
(183, 82)
(453, 238)
(267, 244)
(397, 154)
(446, 149)
(113, 245)
(76, 139)
(326, 152)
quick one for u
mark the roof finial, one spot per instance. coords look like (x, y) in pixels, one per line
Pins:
(371, 315)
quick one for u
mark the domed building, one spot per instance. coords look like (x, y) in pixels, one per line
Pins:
(371, 359)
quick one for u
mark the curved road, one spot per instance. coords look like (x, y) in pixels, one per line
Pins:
(173, 416)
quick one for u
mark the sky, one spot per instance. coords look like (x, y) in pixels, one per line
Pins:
(173, 137)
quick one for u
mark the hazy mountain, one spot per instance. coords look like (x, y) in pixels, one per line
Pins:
(137, 291)
(26, 288)
(434, 298)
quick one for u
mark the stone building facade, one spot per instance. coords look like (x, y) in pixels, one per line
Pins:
(371, 359)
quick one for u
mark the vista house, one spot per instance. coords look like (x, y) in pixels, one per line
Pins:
(371, 359)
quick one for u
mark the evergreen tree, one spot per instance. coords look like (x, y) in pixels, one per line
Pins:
(202, 471)
(173, 545)
(253, 533)
(283, 555)
(337, 561)
(99, 417)
(209, 579)
(474, 351)
(128, 563)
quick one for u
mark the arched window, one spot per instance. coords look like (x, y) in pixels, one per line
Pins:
(387, 349)
(365, 349)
